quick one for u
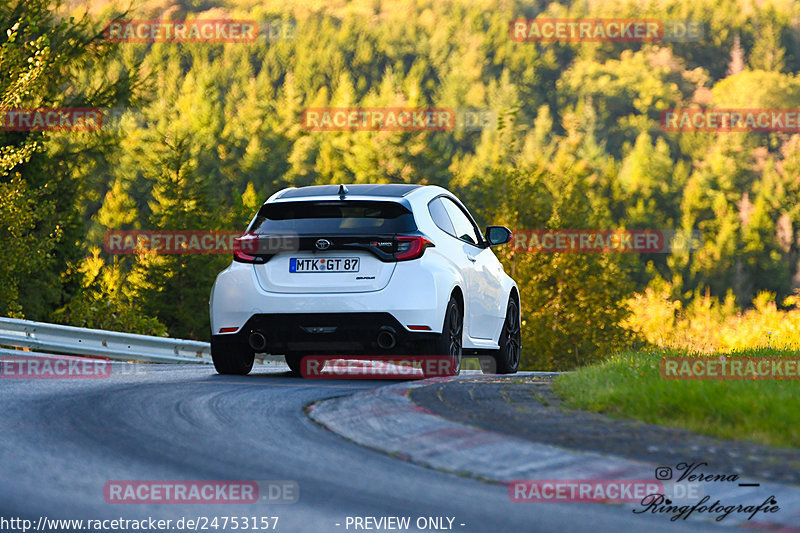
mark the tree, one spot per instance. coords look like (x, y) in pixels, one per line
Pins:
(46, 61)
(175, 288)
(768, 53)
(572, 303)
(103, 302)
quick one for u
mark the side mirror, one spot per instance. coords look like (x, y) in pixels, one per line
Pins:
(497, 235)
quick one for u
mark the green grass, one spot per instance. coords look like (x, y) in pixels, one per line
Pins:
(629, 385)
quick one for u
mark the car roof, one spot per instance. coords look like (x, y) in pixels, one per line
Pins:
(394, 190)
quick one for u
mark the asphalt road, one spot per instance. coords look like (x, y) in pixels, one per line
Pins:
(63, 440)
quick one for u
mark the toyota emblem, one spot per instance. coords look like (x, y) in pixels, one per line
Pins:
(323, 244)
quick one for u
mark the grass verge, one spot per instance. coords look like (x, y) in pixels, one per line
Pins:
(629, 385)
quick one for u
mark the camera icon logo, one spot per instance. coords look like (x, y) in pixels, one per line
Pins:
(663, 473)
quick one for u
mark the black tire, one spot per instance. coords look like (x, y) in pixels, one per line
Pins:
(231, 356)
(507, 357)
(449, 342)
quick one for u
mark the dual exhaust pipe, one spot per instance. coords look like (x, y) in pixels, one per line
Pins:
(387, 339)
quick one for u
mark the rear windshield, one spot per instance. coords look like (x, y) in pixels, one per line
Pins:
(333, 216)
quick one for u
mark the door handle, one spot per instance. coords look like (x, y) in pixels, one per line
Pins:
(471, 258)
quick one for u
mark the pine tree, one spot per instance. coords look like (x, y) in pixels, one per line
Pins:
(48, 61)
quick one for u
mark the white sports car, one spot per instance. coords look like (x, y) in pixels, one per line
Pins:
(365, 269)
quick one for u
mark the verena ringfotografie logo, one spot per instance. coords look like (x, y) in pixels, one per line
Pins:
(731, 120)
(376, 367)
(378, 119)
(694, 473)
(730, 368)
(196, 242)
(53, 367)
(603, 241)
(202, 492)
(604, 30)
(582, 490)
(182, 31)
(51, 119)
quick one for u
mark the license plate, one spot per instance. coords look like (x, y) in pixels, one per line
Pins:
(300, 265)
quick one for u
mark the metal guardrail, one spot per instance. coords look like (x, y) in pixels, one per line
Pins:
(97, 342)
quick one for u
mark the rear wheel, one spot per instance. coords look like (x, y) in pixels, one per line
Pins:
(507, 357)
(449, 342)
(231, 356)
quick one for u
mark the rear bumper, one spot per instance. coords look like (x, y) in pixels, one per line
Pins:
(414, 297)
(330, 333)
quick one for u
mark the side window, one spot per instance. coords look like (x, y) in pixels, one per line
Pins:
(439, 216)
(463, 226)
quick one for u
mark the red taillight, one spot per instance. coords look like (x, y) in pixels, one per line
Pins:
(419, 328)
(411, 247)
(240, 244)
(228, 330)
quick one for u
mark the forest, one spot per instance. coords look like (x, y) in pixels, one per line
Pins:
(569, 135)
